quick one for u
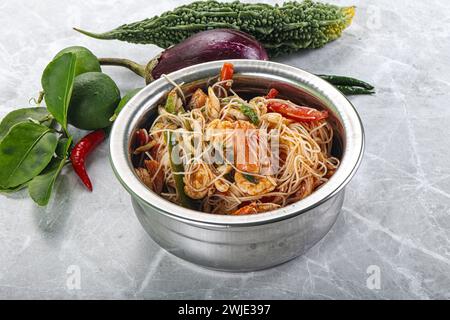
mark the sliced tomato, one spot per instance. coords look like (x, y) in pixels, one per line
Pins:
(272, 93)
(297, 113)
(227, 71)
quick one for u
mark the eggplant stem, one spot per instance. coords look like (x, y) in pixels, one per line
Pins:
(137, 68)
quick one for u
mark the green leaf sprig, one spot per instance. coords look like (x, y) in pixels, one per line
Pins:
(33, 150)
(57, 82)
(24, 152)
(40, 187)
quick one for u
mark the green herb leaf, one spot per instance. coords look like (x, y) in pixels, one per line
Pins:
(57, 81)
(24, 152)
(250, 178)
(123, 102)
(249, 113)
(24, 114)
(40, 187)
(15, 189)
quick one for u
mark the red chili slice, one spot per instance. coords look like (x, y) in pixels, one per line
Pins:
(227, 71)
(297, 113)
(272, 93)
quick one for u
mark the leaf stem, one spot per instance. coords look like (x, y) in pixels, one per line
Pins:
(40, 97)
(46, 118)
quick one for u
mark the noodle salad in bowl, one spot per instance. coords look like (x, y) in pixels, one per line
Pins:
(219, 153)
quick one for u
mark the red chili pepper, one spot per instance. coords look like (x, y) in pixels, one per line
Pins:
(272, 93)
(227, 71)
(80, 152)
(297, 113)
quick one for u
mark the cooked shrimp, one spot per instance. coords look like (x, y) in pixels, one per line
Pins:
(218, 131)
(212, 105)
(157, 173)
(197, 183)
(249, 161)
(254, 207)
(144, 176)
(222, 184)
(260, 185)
(198, 99)
(152, 175)
(220, 124)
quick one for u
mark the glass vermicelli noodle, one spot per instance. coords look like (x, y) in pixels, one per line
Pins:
(218, 153)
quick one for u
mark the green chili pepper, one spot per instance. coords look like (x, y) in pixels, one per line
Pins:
(349, 90)
(346, 81)
(171, 103)
(176, 168)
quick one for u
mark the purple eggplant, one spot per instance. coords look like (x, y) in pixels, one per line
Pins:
(210, 45)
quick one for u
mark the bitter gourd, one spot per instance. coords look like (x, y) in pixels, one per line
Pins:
(280, 29)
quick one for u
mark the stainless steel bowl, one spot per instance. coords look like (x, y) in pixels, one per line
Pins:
(241, 243)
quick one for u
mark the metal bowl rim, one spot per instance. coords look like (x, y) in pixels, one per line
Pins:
(135, 108)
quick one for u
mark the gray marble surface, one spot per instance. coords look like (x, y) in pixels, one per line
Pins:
(395, 218)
